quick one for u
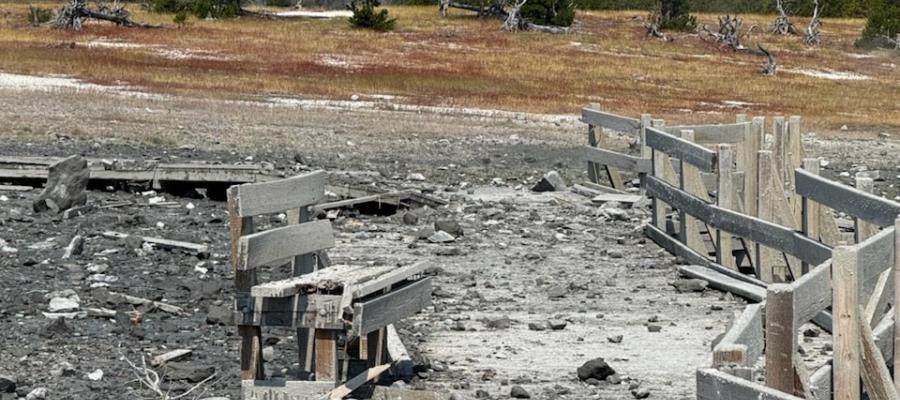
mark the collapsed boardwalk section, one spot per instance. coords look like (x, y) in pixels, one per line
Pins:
(342, 314)
(759, 222)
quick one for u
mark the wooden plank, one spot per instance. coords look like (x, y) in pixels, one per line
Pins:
(877, 303)
(15, 188)
(173, 355)
(279, 196)
(396, 351)
(875, 374)
(397, 304)
(680, 250)
(695, 154)
(875, 255)
(250, 346)
(593, 168)
(820, 382)
(627, 199)
(593, 189)
(725, 199)
(388, 279)
(768, 260)
(715, 133)
(794, 159)
(659, 159)
(281, 389)
(370, 374)
(724, 283)
(864, 230)
(781, 339)
(896, 328)
(846, 332)
(610, 121)
(754, 229)
(613, 159)
(716, 385)
(646, 152)
(743, 342)
(812, 293)
(326, 355)
(858, 204)
(265, 247)
(690, 183)
(810, 210)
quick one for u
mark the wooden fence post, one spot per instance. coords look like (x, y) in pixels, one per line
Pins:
(725, 199)
(864, 230)
(896, 302)
(593, 168)
(659, 163)
(781, 338)
(301, 265)
(794, 160)
(846, 325)
(767, 258)
(251, 336)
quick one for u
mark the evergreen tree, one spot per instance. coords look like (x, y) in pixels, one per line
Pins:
(675, 15)
(882, 25)
(549, 12)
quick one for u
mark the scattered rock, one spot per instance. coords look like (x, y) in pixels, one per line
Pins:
(219, 315)
(441, 237)
(690, 285)
(557, 292)
(596, 368)
(75, 247)
(182, 371)
(410, 218)
(615, 339)
(268, 353)
(640, 393)
(7, 384)
(96, 375)
(450, 226)
(63, 304)
(64, 368)
(55, 328)
(654, 328)
(551, 182)
(614, 379)
(499, 323)
(37, 394)
(415, 177)
(518, 392)
(557, 324)
(538, 326)
(66, 185)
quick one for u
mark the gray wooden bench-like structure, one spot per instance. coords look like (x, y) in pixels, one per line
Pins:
(340, 312)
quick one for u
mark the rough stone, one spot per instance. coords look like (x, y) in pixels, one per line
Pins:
(596, 368)
(66, 185)
(557, 324)
(450, 226)
(615, 339)
(518, 392)
(182, 371)
(690, 285)
(55, 328)
(550, 182)
(7, 384)
(441, 237)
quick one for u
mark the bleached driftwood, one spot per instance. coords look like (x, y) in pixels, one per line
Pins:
(812, 30)
(782, 25)
(75, 12)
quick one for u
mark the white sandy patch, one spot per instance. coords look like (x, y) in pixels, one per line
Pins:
(51, 83)
(735, 104)
(315, 14)
(830, 75)
(159, 50)
(337, 61)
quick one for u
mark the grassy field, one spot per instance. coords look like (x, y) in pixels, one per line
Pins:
(466, 61)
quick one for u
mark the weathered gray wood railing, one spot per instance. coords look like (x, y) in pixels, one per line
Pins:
(606, 163)
(352, 305)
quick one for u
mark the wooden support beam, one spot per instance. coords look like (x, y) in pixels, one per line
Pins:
(701, 157)
(726, 200)
(326, 355)
(810, 209)
(875, 374)
(593, 116)
(593, 168)
(861, 205)
(794, 159)
(768, 259)
(846, 324)
(864, 230)
(781, 339)
(691, 183)
(743, 343)
(251, 336)
(716, 385)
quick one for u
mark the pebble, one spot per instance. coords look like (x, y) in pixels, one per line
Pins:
(518, 392)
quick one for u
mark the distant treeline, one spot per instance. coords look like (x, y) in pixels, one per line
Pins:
(830, 8)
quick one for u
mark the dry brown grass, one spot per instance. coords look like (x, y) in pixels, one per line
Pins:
(466, 61)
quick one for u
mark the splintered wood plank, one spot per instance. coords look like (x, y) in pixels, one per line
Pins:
(865, 206)
(283, 243)
(593, 116)
(326, 355)
(614, 159)
(334, 278)
(846, 320)
(875, 373)
(279, 196)
(370, 374)
(713, 134)
(743, 343)
(393, 306)
(695, 154)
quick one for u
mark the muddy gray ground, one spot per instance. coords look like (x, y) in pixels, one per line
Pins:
(519, 248)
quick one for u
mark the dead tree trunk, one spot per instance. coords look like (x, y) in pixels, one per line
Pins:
(73, 14)
(783, 25)
(513, 23)
(812, 30)
(729, 34)
(771, 66)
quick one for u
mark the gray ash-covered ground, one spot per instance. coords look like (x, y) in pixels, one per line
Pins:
(525, 259)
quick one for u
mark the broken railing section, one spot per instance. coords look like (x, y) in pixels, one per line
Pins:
(342, 314)
(759, 222)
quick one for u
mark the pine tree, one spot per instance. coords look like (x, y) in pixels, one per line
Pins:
(675, 15)
(549, 12)
(882, 26)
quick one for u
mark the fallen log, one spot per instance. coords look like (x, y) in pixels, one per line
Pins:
(199, 250)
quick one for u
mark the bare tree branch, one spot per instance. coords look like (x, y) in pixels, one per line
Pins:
(812, 30)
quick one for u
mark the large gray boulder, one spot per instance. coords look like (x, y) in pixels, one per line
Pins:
(66, 185)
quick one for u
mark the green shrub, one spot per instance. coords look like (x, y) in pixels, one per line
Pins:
(549, 12)
(675, 15)
(39, 16)
(883, 21)
(199, 8)
(180, 17)
(367, 17)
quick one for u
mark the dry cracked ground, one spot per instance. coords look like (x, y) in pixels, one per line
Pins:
(534, 285)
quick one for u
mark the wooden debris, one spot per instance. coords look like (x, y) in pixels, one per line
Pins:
(812, 30)
(73, 14)
(199, 250)
(783, 25)
(370, 374)
(621, 198)
(173, 355)
(15, 188)
(140, 301)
